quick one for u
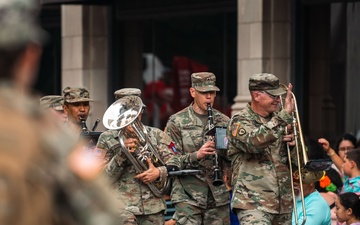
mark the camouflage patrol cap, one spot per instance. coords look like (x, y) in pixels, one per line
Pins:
(204, 81)
(126, 92)
(266, 82)
(308, 176)
(76, 94)
(18, 23)
(52, 101)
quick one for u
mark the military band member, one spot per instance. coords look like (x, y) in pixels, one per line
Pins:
(258, 153)
(142, 205)
(196, 199)
(54, 104)
(77, 107)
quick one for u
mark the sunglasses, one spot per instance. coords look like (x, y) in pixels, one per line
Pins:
(346, 148)
(273, 97)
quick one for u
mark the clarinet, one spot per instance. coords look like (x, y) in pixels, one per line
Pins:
(83, 125)
(90, 136)
(217, 181)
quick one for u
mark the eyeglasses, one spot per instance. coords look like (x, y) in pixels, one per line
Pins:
(273, 97)
(346, 148)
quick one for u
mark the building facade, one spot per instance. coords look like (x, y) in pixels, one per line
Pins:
(107, 45)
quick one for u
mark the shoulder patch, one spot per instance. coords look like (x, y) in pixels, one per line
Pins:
(171, 146)
(242, 131)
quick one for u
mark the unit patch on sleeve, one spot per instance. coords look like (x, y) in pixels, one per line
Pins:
(242, 131)
(172, 148)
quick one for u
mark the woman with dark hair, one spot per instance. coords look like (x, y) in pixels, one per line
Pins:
(329, 186)
(345, 143)
(348, 208)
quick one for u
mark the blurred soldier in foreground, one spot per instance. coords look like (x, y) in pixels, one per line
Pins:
(40, 182)
(54, 104)
(143, 206)
(77, 106)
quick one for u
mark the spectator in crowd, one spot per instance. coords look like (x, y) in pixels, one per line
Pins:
(351, 170)
(316, 208)
(348, 208)
(345, 142)
(329, 186)
(348, 166)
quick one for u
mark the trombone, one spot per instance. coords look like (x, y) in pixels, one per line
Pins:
(298, 137)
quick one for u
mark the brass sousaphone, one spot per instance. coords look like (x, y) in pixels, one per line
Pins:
(123, 115)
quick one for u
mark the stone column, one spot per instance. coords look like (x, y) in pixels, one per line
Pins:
(263, 43)
(85, 54)
(352, 118)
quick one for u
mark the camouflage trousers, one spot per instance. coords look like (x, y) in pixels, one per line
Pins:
(152, 219)
(257, 217)
(191, 215)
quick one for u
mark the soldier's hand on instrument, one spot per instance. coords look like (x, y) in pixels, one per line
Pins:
(207, 149)
(289, 138)
(325, 144)
(289, 100)
(149, 175)
(130, 144)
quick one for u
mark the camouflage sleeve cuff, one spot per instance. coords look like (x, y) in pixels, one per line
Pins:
(163, 173)
(285, 116)
(193, 159)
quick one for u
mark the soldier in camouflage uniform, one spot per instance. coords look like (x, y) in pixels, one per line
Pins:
(142, 205)
(40, 182)
(258, 152)
(196, 199)
(76, 106)
(54, 103)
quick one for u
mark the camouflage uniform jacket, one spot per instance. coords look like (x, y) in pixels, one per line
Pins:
(136, 195)
(260, 173)
(188, 133)
(37, 184)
